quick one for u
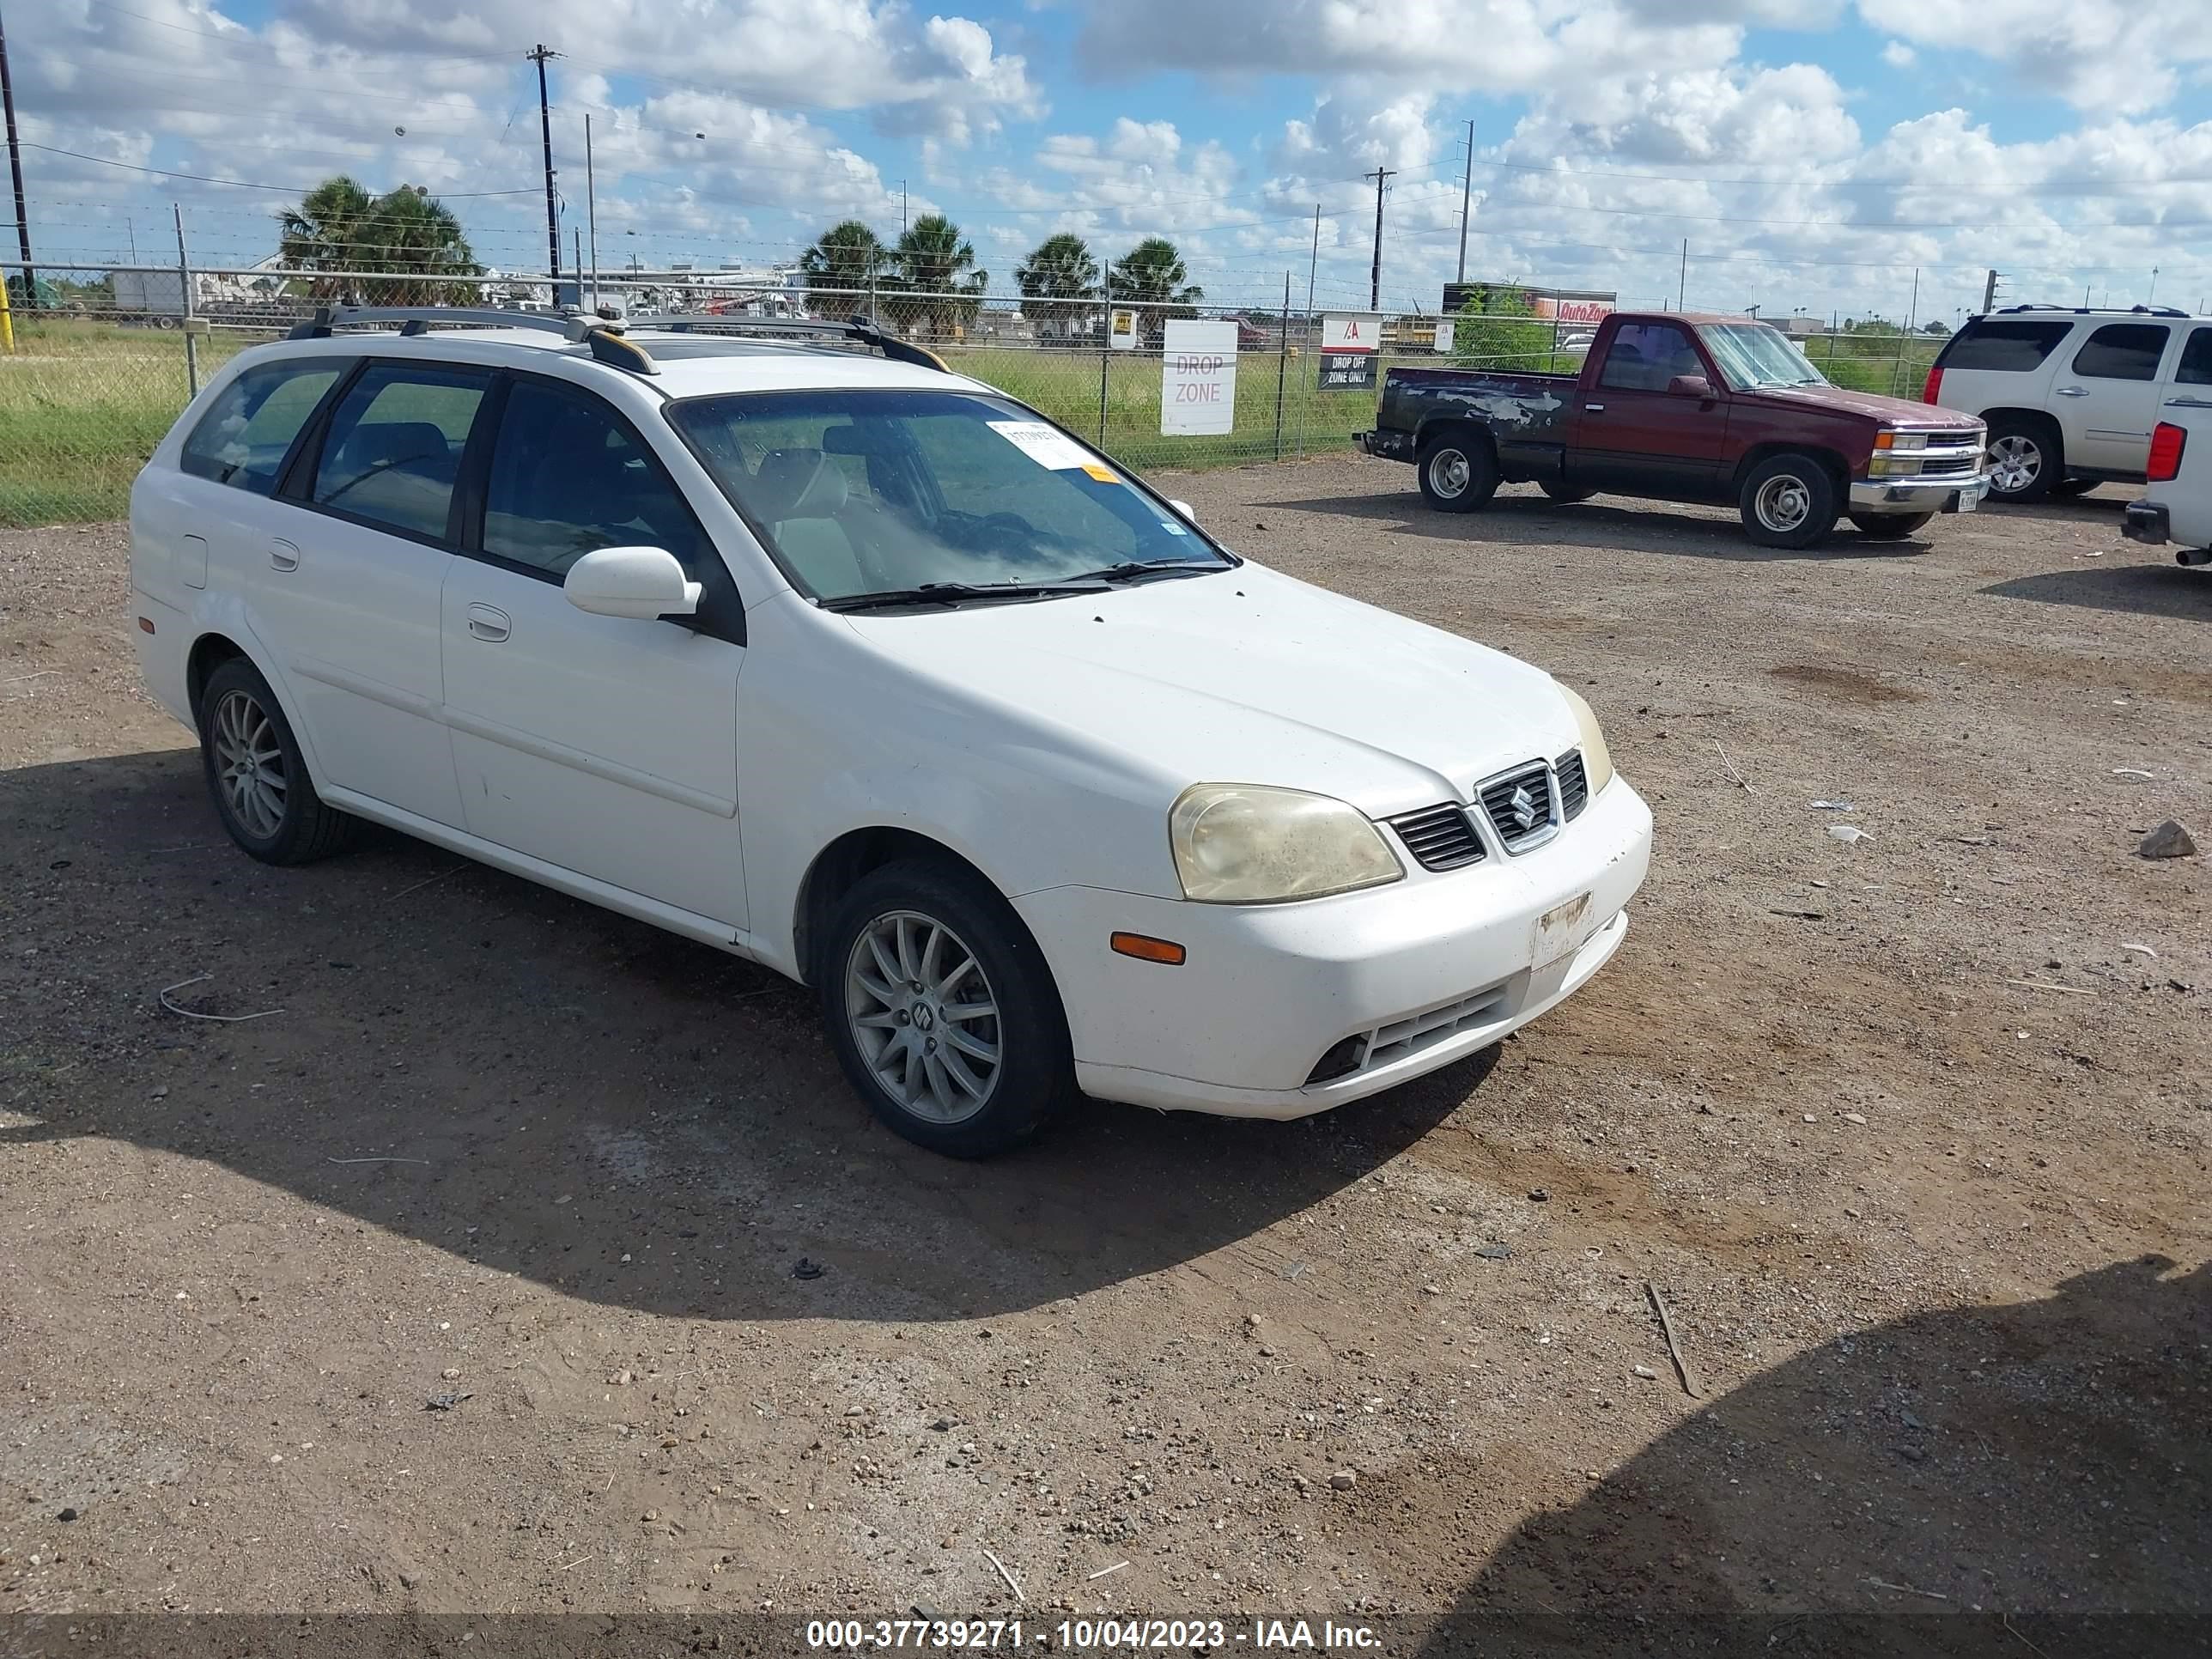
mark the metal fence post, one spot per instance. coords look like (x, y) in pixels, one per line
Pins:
(185, 290)
(1105, 356)
(1282, 364)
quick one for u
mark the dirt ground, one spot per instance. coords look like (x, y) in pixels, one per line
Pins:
(1912, 1134)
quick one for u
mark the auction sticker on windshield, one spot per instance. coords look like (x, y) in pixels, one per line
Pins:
(1048, 446)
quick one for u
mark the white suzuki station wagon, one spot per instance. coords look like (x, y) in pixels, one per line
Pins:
(793, 642)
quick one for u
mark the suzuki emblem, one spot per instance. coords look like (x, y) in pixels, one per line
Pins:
(1525, 807)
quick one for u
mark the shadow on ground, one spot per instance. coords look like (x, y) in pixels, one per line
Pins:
(1655, 528)
(2149, 590)
(547, 1089)
(1912, 1489)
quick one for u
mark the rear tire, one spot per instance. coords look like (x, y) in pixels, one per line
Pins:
(1566, 497)
(1457, 471)
(256, 776)
(916, 948)
(2026, 460)
(1788, 500)
(1891, 527)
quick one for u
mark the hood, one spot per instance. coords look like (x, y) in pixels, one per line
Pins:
(1893, 412)
(1245, 677)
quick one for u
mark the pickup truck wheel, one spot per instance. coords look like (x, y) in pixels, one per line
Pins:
(1458, 473)
(2026, 463)
(942, 1010)
(1566, 497)
(1788, 500)
(1891, 527)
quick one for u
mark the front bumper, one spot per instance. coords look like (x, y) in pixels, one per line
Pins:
(1423, 972)
(1944, 493)
(2147, 522)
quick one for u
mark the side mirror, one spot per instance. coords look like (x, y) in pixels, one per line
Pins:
(1185, 509)
(639, 583)
(1690, 386)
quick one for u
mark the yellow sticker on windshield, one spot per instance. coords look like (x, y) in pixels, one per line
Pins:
(1103, 475)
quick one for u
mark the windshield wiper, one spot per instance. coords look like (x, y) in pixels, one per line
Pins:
(953, 593)
(1132, 569)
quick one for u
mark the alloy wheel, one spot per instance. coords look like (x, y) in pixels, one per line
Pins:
(924, 1017)
(249, 764)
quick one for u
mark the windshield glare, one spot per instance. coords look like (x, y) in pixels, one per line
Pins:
(1753, 355)
(861, 493)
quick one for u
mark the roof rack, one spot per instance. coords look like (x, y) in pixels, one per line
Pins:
(605, 336)
(2096, 311)
(858, 330)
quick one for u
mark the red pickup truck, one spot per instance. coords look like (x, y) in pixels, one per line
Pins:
(1677, 407)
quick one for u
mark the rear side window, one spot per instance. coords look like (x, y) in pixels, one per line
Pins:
(2122, 351)
(393, 450)
(245, 435)
(2196, 369)
(1646, 356)
(2006, 347)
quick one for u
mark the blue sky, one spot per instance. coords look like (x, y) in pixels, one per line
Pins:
(1812, 152)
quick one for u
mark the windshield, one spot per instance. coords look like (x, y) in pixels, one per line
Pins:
(936, 493)
(1753, 355)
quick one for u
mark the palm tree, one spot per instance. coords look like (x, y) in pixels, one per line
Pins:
(845, 262)
(1151, 274)
(1059, 270)
(340, 229)
(934, 261)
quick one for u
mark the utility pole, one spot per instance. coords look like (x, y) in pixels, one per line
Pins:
(1466, 199)
(1374, 272)
(2153, 294)
(1682, 291)
(15, 171)
(592, 209)
(538, 56)
(901, 207)
(1990, 293)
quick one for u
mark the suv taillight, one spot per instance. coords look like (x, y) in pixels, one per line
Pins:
(1933, 392)
(2167, 443)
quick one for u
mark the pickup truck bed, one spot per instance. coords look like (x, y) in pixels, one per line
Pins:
(1686, 408)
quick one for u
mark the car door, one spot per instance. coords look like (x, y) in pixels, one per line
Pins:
(2106, 396)
(348, 572)
(606, 746)
(1634, 435)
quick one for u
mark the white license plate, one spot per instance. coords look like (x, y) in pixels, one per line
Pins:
(1562, 930)
(1968, 501)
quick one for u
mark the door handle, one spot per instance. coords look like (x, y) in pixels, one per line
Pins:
(284, 556)
(1593, 409)
(2073, 391)
(486, 622)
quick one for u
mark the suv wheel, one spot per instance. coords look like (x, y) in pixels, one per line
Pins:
(1788, 500)
(942, 1011)
(255, 772)
(1458, 472)
(2025, 461)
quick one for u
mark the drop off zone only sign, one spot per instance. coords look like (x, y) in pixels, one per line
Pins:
(1198, 378)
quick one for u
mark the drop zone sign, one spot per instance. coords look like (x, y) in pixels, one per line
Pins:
(1198, 378)
(1349, 341)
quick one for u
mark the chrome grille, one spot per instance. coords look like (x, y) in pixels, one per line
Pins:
(1947, 464)
(1440, 837)
(1574, 786)
(1521, 807)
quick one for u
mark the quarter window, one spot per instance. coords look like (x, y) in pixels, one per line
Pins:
(568, 477)
(2003, 348)
(1646, 356)
(393, 450)
(2196, 367)
(2122, 351)
(248, 430)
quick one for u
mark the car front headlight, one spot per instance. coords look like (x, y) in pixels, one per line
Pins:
(1597, 760)
(1244, 843)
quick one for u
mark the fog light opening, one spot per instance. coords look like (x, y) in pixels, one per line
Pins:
(1342, 1060)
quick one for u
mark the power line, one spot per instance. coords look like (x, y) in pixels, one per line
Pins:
(239, 184)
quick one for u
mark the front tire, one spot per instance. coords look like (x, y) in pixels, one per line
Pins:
(1458, 472)
(2026, 461)
(1564, 496)
(256, 776)
(1788, 500)
(1891, 527)
(943, 1011)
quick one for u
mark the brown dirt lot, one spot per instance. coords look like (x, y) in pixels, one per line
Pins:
(1934, 1233)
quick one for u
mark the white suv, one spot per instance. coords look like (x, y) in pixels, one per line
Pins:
(2070, 397)
(855, 667)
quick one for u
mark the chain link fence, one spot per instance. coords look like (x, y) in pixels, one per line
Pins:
(97, 376)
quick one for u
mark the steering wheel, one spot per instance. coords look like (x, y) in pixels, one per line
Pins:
(1008, 533)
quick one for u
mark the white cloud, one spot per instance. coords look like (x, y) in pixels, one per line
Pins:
(1899, 56)
(2121, 55)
